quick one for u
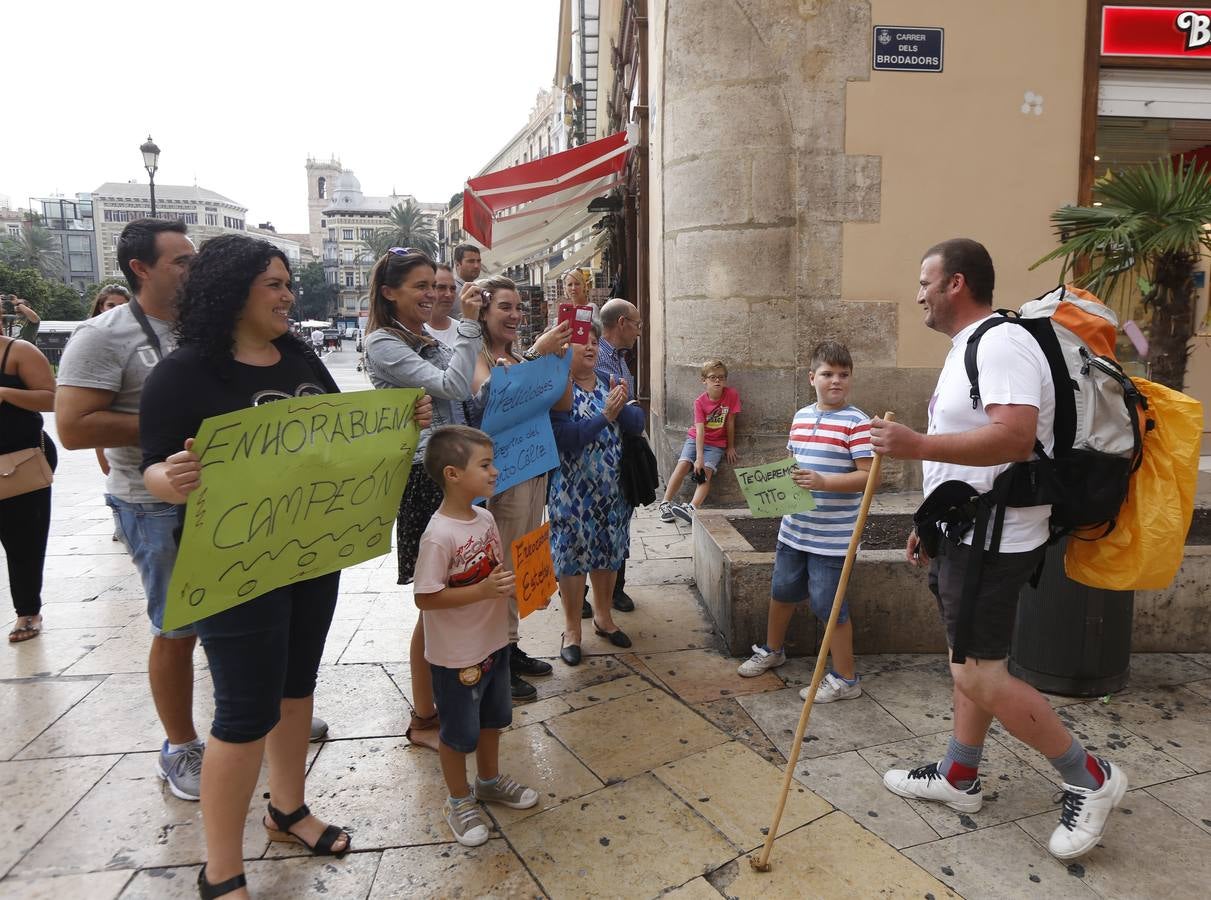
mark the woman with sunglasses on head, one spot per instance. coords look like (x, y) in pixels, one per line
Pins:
(236, 351)
(400, 354)
(518, 510)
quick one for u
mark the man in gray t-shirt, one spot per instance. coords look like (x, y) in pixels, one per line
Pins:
(101, 380)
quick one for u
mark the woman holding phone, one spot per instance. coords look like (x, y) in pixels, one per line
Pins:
(399, 354)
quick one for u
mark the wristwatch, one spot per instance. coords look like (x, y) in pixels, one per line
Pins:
(531, 355)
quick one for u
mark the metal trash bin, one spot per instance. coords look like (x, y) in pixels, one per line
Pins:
(1069, 638)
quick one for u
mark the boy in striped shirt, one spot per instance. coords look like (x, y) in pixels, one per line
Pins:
(830, 440)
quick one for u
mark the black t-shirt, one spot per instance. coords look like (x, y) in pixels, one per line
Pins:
(184, 389)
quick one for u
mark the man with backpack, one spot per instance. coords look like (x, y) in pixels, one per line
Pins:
(967, 445)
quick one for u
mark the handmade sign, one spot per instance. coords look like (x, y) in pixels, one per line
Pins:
(769, 490)
(533, 570)
(517, 417)
(290, 490)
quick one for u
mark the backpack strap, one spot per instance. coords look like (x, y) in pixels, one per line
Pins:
(990, 508)
(973, 344)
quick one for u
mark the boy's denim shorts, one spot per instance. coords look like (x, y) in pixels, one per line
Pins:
(799, 576)
(464, 711)
(147, 531)
(711, 456)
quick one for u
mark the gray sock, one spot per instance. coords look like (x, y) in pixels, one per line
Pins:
(1073, 766)
(961, 764)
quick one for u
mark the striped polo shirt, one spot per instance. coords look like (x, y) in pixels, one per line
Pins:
(828, 442)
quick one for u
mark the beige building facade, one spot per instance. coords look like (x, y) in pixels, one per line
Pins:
(793, 189)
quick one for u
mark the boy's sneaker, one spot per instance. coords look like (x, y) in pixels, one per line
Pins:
(1083, 814)
(834, 687)
(506, 792)
(466, 820)
(684, 512)
(762, 660)
(666, 511)
(925, 783)
(182, 771)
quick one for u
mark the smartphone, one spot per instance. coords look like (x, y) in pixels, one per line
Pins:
(581, 320)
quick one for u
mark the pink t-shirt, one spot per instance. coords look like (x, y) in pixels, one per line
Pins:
(454, 553)
(714, 413)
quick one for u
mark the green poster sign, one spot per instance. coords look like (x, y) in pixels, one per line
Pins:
(769, 490)
(290, 490)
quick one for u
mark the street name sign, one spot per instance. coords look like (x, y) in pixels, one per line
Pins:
(906, 48)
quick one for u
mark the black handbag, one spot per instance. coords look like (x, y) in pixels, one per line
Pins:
(638, 471)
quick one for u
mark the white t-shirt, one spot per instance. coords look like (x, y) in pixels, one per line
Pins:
(317, 337)
(445, 335)
(1012, 370)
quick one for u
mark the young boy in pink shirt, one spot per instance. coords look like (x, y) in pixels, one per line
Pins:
(463, 594)
(713, 436)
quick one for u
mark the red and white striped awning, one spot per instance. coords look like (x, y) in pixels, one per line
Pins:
(520, 210)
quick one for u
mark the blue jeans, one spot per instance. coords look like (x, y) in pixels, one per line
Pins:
(464, 710)
(799, 576)
(148, 531)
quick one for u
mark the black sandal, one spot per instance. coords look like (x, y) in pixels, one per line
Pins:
(322, 847)
(208, 891)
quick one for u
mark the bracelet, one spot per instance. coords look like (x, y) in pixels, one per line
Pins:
(531, 355)
(479, 331)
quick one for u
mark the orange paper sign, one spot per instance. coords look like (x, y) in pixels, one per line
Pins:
(534, 570)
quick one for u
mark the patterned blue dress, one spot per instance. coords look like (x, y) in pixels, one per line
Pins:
(590, 519)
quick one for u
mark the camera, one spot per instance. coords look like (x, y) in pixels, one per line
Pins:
(10, 304)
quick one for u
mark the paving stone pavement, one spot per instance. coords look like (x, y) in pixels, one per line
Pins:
(657, 768)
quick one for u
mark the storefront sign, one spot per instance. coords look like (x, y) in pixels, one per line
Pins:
(906, 48)
(1172, 32)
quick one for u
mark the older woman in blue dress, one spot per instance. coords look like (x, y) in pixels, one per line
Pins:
(590, 519)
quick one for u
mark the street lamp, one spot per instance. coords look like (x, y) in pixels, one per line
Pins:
(151, 156)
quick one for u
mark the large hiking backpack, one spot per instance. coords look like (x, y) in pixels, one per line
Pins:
(1098, 435)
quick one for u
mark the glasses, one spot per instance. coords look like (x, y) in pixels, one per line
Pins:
(716, 378)
(402, 251)
(638, 323)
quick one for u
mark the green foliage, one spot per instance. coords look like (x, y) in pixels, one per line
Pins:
(35, 248)
(1148, 228)
(409, 228)
(378, 242)
(51, 300)
(316, 296)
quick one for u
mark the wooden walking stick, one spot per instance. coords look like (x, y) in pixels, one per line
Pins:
(761, 864)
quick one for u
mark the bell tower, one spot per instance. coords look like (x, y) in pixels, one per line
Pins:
(321, 179)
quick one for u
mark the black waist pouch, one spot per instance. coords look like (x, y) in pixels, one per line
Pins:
(949, 511)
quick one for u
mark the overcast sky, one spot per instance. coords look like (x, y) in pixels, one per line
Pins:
(415, 96)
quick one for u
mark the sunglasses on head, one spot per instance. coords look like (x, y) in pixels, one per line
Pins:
(402, 251)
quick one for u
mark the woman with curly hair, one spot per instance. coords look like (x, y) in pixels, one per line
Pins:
(235, 350)
(399, 354)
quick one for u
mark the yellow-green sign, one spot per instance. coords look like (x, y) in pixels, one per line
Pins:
(290, 490)
(769, 490)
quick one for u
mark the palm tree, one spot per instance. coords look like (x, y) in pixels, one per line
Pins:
(409, 228)
(1148, 220)
(35, 248)
(378, 242)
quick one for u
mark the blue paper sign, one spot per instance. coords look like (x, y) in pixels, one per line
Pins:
(906, 48)
(518, 419)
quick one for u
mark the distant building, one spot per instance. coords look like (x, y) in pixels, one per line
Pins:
(206, 213)
(287, 243)
(71, 223)
(342, 219)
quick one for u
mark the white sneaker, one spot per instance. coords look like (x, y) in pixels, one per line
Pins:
(684, 512)
(924, 783)
(666, 511)
(834, 687)
(762, 660)
(1084, 812)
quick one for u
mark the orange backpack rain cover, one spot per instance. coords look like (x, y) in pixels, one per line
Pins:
(1144, 552)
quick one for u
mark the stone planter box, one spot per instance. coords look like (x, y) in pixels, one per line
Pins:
(892, 608)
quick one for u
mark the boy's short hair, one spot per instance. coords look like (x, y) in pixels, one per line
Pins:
(451, 445)
(834, 353)
(710, 366)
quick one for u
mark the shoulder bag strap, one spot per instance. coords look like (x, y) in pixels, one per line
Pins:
(141, 318)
